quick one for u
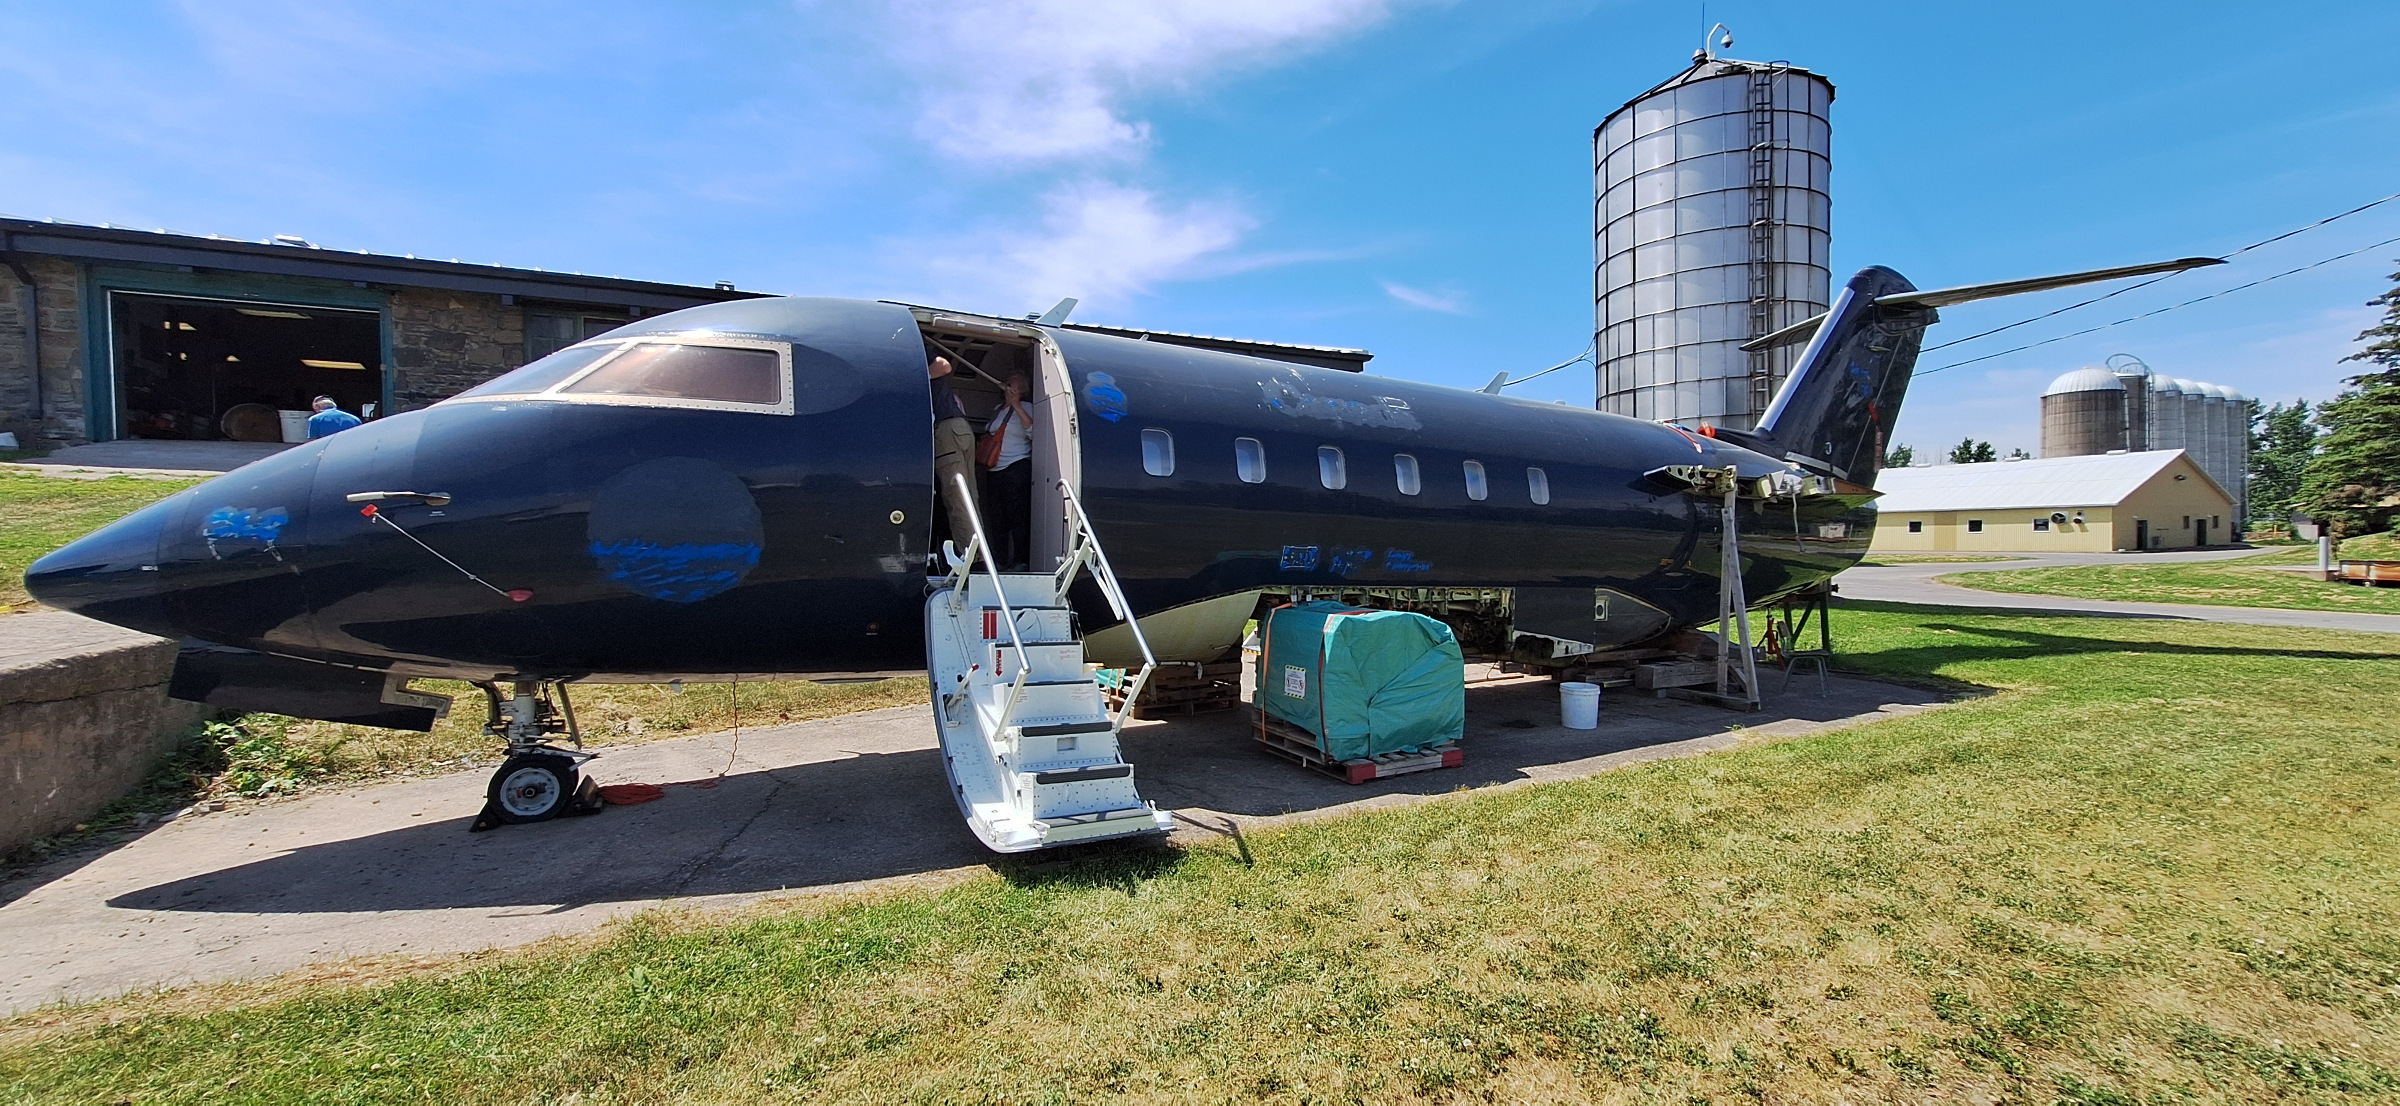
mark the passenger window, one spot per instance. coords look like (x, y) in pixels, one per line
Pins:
(1537, 485)
(1158, 452)
(1250, 460)
(1330, 470)
(1404, 470)
(1477, 489)
(673, 370)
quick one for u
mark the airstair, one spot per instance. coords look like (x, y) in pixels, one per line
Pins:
(1028, 741)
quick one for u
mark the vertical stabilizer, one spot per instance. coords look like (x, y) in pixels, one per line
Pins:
(1835, 411)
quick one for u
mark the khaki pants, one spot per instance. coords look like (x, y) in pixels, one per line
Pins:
(954, 461)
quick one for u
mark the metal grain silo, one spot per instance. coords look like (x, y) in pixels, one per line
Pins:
(2216, 446)
(2083, 413)
(1713, 225)
(2167, 423)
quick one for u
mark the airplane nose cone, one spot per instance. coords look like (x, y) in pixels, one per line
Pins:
(112, 573)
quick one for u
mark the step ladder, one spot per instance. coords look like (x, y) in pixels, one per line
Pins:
(1029, 743)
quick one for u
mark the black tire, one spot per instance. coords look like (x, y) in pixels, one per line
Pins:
(532, 788)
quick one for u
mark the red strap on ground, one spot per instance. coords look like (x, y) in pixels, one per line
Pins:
(627, 794)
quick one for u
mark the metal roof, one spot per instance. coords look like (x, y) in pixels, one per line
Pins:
(2099, 480)
(2085, 380)
(290, 256)
(1703, 68)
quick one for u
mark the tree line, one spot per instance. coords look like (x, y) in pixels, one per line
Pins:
(2338, 461)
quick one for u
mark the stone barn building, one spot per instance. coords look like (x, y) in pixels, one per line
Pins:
(151, 335)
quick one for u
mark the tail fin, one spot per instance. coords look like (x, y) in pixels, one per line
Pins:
(1836, 409)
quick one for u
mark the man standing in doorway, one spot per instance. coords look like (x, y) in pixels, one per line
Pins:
(953, 451)
(329, 419)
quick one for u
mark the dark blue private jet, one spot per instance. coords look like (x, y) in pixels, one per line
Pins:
(748, 489)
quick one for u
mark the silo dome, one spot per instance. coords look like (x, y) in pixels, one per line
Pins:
(2084, 380)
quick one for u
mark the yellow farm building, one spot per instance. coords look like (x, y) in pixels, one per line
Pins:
(2157, 499)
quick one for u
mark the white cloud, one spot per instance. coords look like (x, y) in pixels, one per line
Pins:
(1100, 242)
(1448, 303)
(1029, 81)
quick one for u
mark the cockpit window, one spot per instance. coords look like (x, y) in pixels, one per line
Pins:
(540, 375)
(673, 370)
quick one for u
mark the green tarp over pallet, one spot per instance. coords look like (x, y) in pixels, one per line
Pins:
(1365, 682)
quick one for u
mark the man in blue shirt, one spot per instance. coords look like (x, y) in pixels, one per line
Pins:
(329, 419)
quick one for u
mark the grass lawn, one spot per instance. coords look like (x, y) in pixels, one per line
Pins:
(40, 513)
(2242, 582)
(2160, 864)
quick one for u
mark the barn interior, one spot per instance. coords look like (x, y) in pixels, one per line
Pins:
(211, 370)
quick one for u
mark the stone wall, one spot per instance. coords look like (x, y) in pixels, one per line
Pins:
(447, 342)
(84, 715)
(61, 332)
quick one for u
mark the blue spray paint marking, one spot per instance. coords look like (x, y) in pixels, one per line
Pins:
(1342, 561)
(1299, 558)
(236, 525)
(1401, 560)
(1106, 399)
(685, 573)
(254, 523)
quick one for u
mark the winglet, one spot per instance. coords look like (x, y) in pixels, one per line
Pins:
(1058, 312)
(1498, 382)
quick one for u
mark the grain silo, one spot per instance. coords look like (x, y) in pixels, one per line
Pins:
(2083, 413)
(2092, 411)
(1713, 225)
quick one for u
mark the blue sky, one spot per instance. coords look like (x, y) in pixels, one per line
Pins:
(1412, 178)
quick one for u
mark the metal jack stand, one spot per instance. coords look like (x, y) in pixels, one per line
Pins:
(1733, 612)
(1799, 608)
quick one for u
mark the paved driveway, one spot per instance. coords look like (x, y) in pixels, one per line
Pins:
(829, 805)
(1915, 583)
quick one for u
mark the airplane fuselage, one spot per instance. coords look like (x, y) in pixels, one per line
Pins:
(614, 536)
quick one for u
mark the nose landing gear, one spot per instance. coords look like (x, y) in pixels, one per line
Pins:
(539, 780)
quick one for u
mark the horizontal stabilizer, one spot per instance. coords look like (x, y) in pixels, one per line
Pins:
(1968, 293)
(1797, 332)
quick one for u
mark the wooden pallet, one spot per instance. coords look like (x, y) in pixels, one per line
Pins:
(1300, 747)
(1181, 689)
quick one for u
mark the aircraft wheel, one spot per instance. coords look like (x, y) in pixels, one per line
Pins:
(532, 788)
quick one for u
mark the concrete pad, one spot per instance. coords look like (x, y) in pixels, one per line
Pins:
(143, 457)
(821, 806)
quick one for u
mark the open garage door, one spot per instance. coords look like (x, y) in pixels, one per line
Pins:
(197, 369)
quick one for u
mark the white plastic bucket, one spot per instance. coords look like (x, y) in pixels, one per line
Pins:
(295, 425)
(1579, 706)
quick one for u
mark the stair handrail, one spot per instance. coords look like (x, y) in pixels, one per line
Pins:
(1088, 547)
(979, 548)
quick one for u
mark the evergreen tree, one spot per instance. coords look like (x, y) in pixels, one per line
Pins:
(2283, 439)
(1969, 451)
(2019, 454)
(2354, 480)
(1900, 457)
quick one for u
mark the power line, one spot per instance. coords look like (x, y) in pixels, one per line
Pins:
(2156, 279)
(2164, 310)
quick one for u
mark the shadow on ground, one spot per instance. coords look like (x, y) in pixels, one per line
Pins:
(832, 819)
